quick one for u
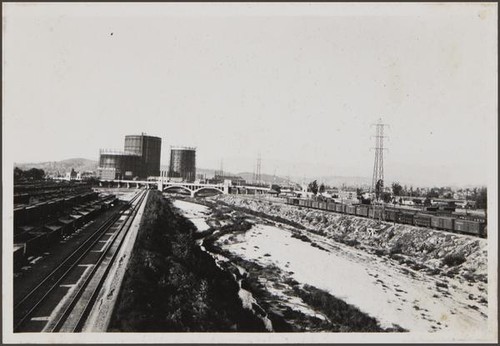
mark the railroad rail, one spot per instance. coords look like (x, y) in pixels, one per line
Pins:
(72, 306)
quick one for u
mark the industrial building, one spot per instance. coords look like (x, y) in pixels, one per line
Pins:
(182, 163)
(140, 159)
(149, 148)
(219, 179)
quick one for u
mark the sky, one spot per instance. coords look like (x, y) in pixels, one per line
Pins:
(301, 84)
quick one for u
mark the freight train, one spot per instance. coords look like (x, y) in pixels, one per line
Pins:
(393, 214)
(37, 227)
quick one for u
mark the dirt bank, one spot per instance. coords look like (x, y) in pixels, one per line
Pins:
(434, 251)
(171, 285)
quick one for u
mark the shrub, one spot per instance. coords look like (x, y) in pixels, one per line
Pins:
(452, 260)
(348, 317)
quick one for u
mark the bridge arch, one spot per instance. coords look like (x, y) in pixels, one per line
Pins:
(177, 187)
(207, 188)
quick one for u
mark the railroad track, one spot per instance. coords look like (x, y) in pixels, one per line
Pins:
(59, 303)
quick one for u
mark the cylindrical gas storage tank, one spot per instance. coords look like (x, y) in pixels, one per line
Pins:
(119, 165)
(149, 148)
(182, 163)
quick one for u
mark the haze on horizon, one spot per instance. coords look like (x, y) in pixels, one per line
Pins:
(299, 83)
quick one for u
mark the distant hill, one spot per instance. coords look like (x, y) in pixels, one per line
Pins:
(338, 181)
(80, 164)
(266, 178)
(61, 167)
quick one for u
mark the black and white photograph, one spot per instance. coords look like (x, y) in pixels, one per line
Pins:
(249, 172)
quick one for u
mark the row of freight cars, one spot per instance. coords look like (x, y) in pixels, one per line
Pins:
(35, 213)
(31, 240)
(392, 214)
(25, 196)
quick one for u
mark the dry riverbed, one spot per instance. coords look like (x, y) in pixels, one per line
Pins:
(304, 281)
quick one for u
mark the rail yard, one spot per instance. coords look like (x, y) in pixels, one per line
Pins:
(61, 267)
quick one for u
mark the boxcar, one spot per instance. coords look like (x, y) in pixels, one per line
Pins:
(19, 250)
(422, 220)
(442, 222)
(36, 242)
(469, 227)
(315, 204)
(52, 208)
(77, 220)
(302, 202)
(322, 205)
(69, 224)
(32, 214)
(19, 216)
(54, 232)
(85, 215)
(362, 211)
(391, 215)
(406, 218)
(375, 212)
(330, 206)
(351, 209)
(43, 210)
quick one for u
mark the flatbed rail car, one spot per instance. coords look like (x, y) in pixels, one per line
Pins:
(405, 216)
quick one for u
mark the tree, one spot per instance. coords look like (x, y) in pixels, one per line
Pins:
(313, 187)
(396, 189)
(35, 174)
(386, 197)
(432, 194)
(276, 188)
(322, 188)
(31, 174)
(481, 198)
(18, 174)
(379, 188)
(427, 202)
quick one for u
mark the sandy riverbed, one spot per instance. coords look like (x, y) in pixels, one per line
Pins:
(392, 293)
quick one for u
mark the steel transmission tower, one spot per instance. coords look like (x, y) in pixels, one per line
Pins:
(378, 166)
(258, 176)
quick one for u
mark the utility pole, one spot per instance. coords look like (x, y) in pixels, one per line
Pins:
(378, 166)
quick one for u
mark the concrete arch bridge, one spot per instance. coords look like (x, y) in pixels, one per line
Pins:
(162, 185)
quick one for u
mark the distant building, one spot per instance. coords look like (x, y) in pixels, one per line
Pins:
(71, 175)
(85, 175)
(182, 163)
(219, 179)
(140, 159)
